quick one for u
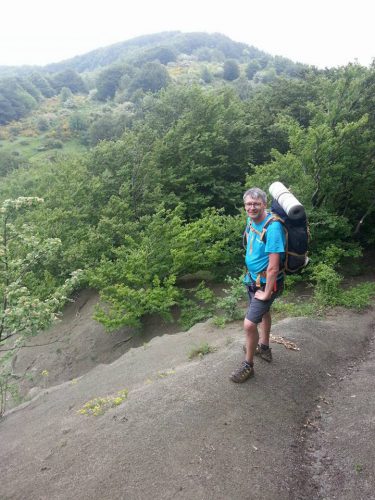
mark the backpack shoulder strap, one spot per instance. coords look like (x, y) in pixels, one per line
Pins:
(274, 218)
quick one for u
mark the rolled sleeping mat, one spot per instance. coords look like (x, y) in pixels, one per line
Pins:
(291, 206)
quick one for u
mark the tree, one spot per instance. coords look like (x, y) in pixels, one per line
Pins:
(42, 84)
(231, 70)
(30, 88)
(15, 101)
(162, 54)
(204, 155)
(78, 122)
(266, 75)
(252, 68)
(152, 77)
(108, 82)
(206, 75)
(65, 94)
(71, 79)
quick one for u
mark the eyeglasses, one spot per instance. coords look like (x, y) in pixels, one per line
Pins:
(255, 205)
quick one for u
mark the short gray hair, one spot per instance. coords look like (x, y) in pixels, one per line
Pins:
(255, 194)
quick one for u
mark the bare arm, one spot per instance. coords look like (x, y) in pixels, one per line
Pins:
(273, 270)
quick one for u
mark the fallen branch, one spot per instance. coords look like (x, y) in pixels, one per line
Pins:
(286, 343)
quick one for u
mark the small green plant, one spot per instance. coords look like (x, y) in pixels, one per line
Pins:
(358, 468)
(220, 321)
(201, 350)
(98, 406)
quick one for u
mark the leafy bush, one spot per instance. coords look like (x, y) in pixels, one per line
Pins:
(199, 306)
(229, 306)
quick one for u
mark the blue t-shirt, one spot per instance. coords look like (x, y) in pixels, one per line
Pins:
(257, 251)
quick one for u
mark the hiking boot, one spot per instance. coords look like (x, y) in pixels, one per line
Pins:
(265, 354)
(243, 373)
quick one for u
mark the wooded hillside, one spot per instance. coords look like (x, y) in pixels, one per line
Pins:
(141, 152)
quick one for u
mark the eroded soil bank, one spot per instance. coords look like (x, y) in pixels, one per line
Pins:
(185, 431)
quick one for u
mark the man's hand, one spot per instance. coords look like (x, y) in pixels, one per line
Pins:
(262, 295)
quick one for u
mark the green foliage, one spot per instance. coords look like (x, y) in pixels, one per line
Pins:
(108, 127)
(204, 154)
(10, 162)
(327, 285)
(359, 296)
(70, 79)
(142, 278)
(108, 82)
(152, 77)
(157, 197)
(15, 101)
(252, 68)
(22, 253)
(65, 94)
(78, 122)
(128, 305)
(209, 243)
(22, 311)
(228, 307)
(199, 304)
(231, 70)
(329, 289)
(42, 84)
(206, 75)
(201, 350)
(162, 54)
(290, 308)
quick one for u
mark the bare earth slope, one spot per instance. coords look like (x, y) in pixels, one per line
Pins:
(187, 432)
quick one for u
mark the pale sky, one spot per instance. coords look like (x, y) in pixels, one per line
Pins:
(324, 33)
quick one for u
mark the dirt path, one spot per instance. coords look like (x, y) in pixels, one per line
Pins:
(337, 446)
(186, 432)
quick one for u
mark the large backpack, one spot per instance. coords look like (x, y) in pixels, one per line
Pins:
(297, 236)
(297, 239)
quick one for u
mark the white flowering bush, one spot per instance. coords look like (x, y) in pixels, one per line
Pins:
(22, 312)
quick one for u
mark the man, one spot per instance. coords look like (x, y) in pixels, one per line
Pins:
(265, 251)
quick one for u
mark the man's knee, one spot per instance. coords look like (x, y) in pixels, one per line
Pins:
(249, 326)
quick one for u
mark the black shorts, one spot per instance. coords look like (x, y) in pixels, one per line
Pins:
(258, 308)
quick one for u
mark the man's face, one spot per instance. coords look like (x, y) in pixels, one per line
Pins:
(254, 207)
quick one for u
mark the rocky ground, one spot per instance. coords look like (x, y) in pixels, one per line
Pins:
(301, 429)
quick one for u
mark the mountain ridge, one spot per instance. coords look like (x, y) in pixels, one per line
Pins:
(104, 56)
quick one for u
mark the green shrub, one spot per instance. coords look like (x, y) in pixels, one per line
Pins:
(199, 307)
(228, 307)
(359, 296)
(201, 350)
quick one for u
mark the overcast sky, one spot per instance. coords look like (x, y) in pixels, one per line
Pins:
(324, 33)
